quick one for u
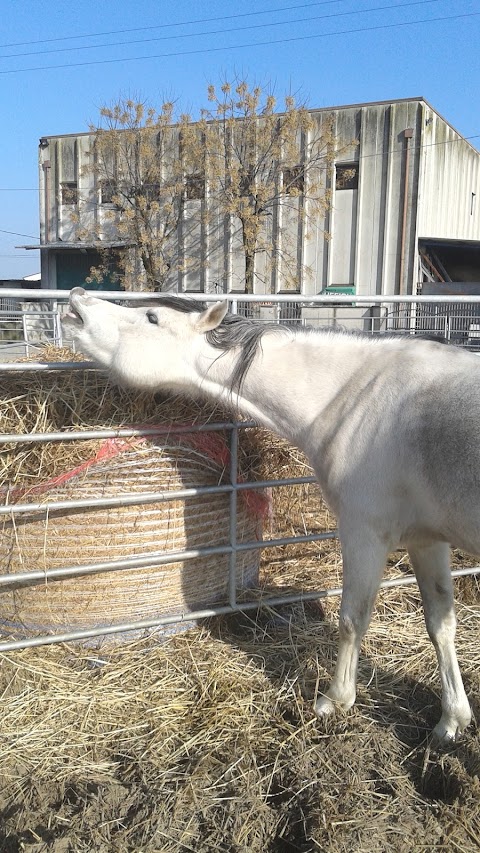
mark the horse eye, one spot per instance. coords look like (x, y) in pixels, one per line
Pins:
(152, 318)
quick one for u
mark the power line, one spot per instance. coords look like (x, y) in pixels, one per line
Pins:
(246, 45)
(17, 234)
(177, 24)
(269, 24)
(424, 145)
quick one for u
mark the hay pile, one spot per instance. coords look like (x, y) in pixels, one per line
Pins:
(207, 742)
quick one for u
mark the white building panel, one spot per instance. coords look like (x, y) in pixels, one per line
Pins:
(450, 187)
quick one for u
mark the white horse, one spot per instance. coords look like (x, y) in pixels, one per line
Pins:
(391, 426)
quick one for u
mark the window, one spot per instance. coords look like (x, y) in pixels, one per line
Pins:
(152, 191)
(346, 176)
(69, 192)
(293, 180)
(108, 189)
(195, 186)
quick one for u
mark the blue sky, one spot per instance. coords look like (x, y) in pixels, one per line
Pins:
(61, 61)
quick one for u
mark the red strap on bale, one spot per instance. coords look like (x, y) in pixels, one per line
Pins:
(209, 444)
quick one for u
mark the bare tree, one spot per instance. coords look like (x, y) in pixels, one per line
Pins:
(264, 168)
(265, 171)
(140, 158)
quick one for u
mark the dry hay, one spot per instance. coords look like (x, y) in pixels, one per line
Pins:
(208, 741)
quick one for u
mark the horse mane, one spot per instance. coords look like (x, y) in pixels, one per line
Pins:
(234, 332)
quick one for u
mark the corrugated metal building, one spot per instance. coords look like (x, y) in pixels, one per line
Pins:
(409, 212)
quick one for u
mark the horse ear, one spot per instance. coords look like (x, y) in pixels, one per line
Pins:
(211, 317)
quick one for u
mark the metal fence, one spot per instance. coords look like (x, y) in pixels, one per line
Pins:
(452, 318)
(31, 319)
(26, 324)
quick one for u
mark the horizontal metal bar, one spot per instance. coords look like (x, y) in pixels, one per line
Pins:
(286, 540)
(138, 498)
(40, 366)
(122, 432)
(266, 484)
(224, 610)
(153, 559)
(114, 501)
(274, 298)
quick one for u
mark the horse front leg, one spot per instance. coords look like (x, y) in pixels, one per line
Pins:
(432, 569)
(364, 557)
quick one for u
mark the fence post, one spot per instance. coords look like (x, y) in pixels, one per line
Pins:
(232, 576)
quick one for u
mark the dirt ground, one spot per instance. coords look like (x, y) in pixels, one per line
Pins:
(208, 742)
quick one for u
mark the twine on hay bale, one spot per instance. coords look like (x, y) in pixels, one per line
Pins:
(83, 470)
(66, 538)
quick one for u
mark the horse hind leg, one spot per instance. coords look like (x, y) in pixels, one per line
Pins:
(432, 569)
(364, 558)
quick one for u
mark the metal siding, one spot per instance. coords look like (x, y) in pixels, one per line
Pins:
(451, 169)
(415, 117)
(371, 199)
(193, 245)
(315, 237)
(402, 116)
(236, 259)
(67, 173)
(73, 268)
(343, 242)
(88, 203)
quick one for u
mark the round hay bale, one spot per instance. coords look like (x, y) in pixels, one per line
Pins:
(45, 540)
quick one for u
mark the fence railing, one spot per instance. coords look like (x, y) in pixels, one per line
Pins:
(31, 319)
(453, 318)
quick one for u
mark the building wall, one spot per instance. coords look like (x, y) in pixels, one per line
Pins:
(450, 182)
(423, 183)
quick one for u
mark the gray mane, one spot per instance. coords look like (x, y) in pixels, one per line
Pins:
(235, 331)
(232, 333)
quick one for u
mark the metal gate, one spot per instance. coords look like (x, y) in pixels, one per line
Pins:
(369, 314)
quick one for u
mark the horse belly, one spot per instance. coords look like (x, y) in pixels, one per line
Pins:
(449, 460)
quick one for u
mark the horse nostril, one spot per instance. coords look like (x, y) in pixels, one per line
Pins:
(78, 291)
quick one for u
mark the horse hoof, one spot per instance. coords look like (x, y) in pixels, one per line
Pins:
(448, 732)
(324, 708)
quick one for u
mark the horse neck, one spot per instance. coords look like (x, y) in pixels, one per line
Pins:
(290, 382)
